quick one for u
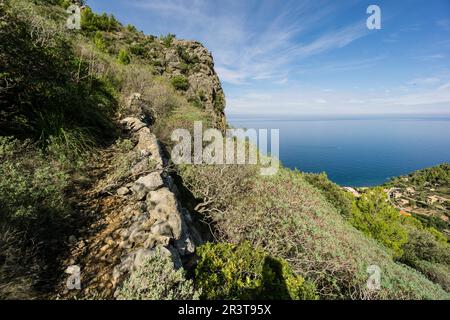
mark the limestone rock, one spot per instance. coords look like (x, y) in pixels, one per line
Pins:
(146, 184)
(141, 167)
(162, 228)
(148, 146)
(163, 212)
(163, 195)
(133, 124)
(123, 191)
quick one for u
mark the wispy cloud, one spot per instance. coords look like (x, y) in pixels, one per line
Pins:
(424, 81)
(302, 56)
(259, 44)
(434, 97)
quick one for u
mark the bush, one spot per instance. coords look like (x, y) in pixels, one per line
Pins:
(226, 271)
(167, 40)
(216, 187)
(422, 245)
(92, 22)
(52, 93)
(99, 41)
(123, 57)
(131, 28)
(180, 117)
(332, 192)
(180, 83)
(138, 49)
(188, 59)
(438, 175)
(18, 266)
(35, 216)
(373, 215)
(30, 186)
(286, 216)
(157, 279)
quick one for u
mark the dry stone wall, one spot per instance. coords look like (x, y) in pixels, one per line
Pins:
(157, 223)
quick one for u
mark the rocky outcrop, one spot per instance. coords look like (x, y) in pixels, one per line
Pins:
(193, 61)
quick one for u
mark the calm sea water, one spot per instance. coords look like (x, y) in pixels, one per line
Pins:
(357, 152)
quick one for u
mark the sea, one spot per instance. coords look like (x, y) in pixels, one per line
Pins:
(356, 151)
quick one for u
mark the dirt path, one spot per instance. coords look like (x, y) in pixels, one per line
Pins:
(100, 211)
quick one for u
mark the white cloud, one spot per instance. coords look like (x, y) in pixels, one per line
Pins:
(315, 101)
(251, 45)
(262, 48)
(424, 81)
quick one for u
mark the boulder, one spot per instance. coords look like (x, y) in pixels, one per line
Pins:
(164, 196)
(148, 146)
(123, 191)
(162, 228)
(146, 184)
(132, 124)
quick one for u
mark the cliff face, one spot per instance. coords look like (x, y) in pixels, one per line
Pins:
(204, 82)
(191, 60)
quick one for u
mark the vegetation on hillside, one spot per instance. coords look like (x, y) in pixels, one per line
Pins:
(425, 194)
(226, 271)
(60, 92)
(291, 219)
(298, 235)
(438, 175)
(156, 279)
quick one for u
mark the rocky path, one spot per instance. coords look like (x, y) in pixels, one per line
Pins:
(133, 220)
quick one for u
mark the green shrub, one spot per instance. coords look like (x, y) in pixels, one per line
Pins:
(157, 279)
(286, 216)
(439, 175)
(436, 272)
(196, 102)
(91, 22)
(373, 215)
(186, 57)
(30, 187)
(54, 93)
(180, 117)
(35, 216)
(99, 41)
(332, 192)
(138, 49)
(226, 271)
(423, 245)
(123, 57)
(219, 102)
(180, 83)
(167, 40)
(18, 267)
(131, 28)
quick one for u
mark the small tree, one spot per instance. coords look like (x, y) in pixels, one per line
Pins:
(180, 83)
(99, 41)
(167, 40)
(373, 215)
(123, 57)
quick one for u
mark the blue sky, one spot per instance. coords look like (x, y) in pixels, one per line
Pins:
(312, 57)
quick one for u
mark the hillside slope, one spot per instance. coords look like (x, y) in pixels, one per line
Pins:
(87, 180)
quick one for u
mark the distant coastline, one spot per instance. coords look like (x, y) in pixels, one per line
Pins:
(311, 117)
(357, 151)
